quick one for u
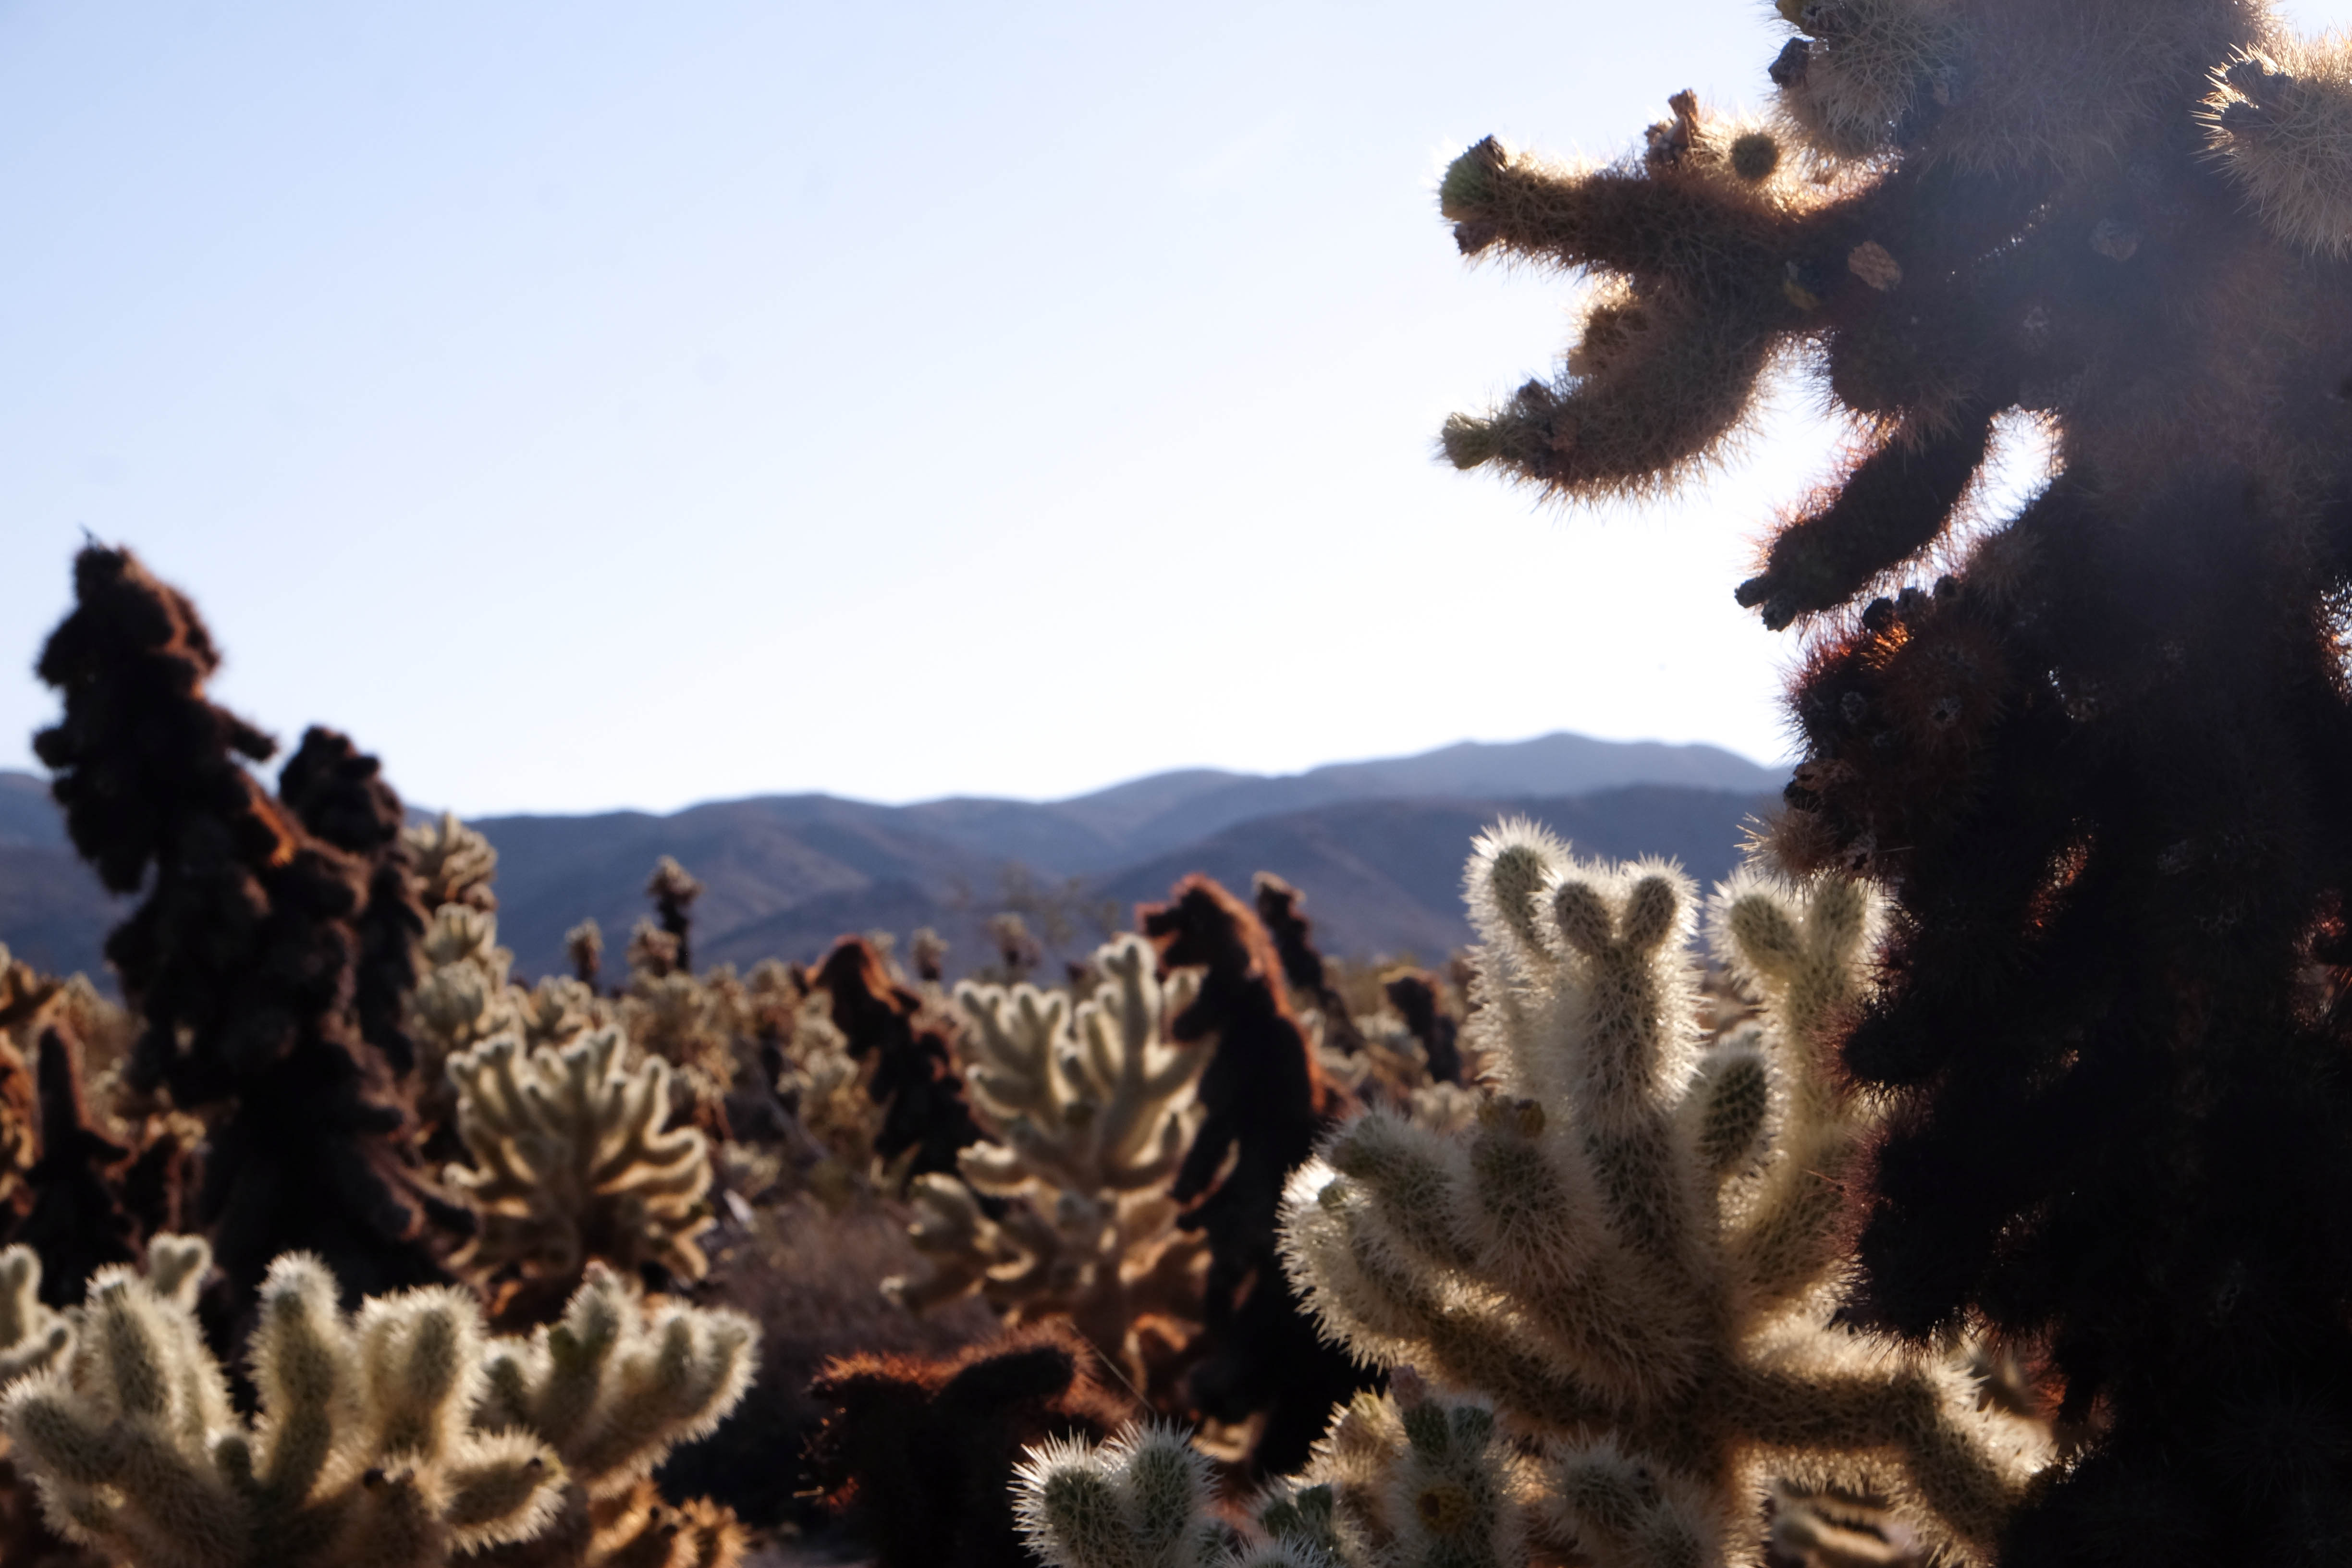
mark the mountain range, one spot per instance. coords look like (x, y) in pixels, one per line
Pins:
(1377, 847)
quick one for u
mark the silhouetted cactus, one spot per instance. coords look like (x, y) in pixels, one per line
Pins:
(925, 1119)
(1281, 909)
(339, 795)
(673, 890)
(2098, 751)
(239, 959)
(1263, 1104)
(918, 1455)
(77, 1224)
(1415, 995)
(79, 1185)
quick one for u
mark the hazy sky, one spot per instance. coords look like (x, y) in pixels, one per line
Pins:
(588, 404)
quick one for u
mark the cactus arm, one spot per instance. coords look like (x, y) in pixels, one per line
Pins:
(1892, 505)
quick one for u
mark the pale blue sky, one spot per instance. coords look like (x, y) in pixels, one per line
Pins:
(596, 404)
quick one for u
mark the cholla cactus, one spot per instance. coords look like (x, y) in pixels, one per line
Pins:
(558, 1011)
(919, 1456)
(454, 864)
(400, 1435)
(652, 952)
(907, 1058)
(340, 793)
(464, 999)
(2280, 118)
(1409, 1481)
(32, 1335)
(826, 1087)
(610, 1390)
(243, 949)
(362, 1457)
(571, 1162)
(583, 946)
(1093, 1114)
(673, 889)
(681, 1019)
(1636, 1252)
(2089, 747)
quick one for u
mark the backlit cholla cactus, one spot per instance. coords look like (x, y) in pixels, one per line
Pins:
(683, 1020)
(572, 1163)
(1092, 1114)
(826, 1087)
(1635, 1253)
(464, 997)
(558, 1011)
(1408, 1480)
(32, 1335)
(454, 864)
(364, 1454)
(611, 1389)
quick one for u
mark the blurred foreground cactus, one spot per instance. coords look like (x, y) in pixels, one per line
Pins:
(1629, 1265)
(2098, 752)
(397, 1437)
(362, 1456)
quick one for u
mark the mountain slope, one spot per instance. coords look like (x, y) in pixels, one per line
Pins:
(1377, 846)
